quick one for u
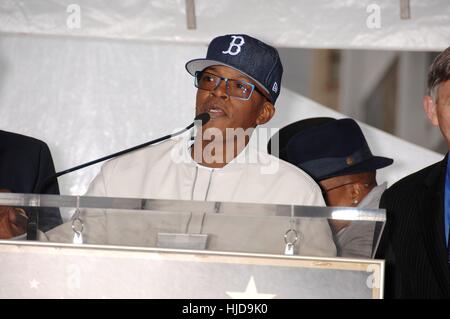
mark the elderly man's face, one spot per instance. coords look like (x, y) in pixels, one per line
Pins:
(439, 113)
(229, 112)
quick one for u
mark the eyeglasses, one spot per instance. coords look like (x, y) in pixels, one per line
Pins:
(234, 88)
(326, 190)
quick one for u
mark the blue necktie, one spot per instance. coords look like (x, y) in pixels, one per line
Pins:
(448, 246)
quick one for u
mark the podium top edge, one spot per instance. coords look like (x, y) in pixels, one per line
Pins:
(177, 206)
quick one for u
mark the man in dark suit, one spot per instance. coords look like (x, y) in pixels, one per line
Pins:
(415, 242)
(25, 163)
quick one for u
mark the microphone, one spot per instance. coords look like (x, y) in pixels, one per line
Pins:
(33, 220)
(202, 119)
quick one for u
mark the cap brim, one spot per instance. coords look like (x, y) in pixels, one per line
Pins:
(369, 165)
(201, 64)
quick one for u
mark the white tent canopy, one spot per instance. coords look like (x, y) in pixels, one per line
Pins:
(291, 23)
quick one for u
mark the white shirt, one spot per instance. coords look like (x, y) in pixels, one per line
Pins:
(167, 171)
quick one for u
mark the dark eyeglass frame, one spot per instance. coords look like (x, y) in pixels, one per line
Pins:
(220, 79)
(326, 190)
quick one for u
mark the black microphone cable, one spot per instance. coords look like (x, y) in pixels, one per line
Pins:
(203, 118)
(33, 220)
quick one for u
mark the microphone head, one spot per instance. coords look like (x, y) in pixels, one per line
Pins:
(203, 118)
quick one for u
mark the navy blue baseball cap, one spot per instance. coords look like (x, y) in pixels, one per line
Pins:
(252, 57)
(327, 147)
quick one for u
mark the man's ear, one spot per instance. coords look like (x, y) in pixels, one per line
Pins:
(267, 112)
(430, 109)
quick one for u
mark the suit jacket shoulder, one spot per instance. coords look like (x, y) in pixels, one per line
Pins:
(413, 239)
(25, 161)
(427, 176)
(14, 141)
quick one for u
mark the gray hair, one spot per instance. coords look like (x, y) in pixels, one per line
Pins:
(438, 73)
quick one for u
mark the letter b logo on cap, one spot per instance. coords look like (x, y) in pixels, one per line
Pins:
(235, 48)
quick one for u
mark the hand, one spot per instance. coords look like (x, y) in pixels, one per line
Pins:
(13, 221)
(337, 225)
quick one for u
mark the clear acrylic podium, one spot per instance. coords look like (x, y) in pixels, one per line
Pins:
(152, 248)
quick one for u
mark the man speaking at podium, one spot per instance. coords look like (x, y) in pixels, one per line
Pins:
(238, 84)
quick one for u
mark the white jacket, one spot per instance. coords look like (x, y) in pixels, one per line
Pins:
(167, 171)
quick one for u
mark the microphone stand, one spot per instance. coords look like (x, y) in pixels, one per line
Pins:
(34, 216)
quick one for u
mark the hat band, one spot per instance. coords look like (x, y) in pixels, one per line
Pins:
(328, 165)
